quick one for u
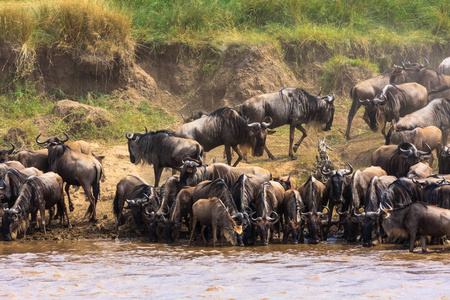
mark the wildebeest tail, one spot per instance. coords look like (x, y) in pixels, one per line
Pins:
(312, 193)
(96, 185)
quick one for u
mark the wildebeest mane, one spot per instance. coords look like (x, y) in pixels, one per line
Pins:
(261, 202)
(15, 180)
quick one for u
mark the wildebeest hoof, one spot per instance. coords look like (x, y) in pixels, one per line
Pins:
(93, 220)
(293, 157)
(71, 208)
(295, 148)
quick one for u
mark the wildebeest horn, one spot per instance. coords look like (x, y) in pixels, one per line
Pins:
(129, 136)
(146, 210)
(146, 130)
(351, 170)
(11, 151)
(320, 92)
(423, 152)
(378, 101)
(254, 124)
(257, 219)
(273, 219)
(67, 138)
(403, 64)
(41, 143)
(5, 207)
(426, 60)
(327, 173)
(265, 125)
(130, 202)
(184, 118)
(237, 216)
(2, 184)
(364, 102)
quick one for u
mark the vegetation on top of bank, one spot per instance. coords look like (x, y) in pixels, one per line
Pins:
(200, 21)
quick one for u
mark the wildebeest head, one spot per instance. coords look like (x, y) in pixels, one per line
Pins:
(4, 154)
(233, 232)
(258, 134)
(336, 183)
(350, 223)
(373, 109)
(13, 221)
(133, 146)
(315, 225)
(410, 153)
(370, 222)
(189, 168)
(329, 108)
(138, 206)
(263, 225)
(408, 72)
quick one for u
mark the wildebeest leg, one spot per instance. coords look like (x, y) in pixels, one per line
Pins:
(202, 231)
(239, 153)
(214, 231)
(228, 153)
(303, 130)
(66, 188)
(383, 131)
(158, 171)
(42, 213)
(330, 216)
(194, 222)
(269, 153)
(423, 241)
(91, 209)
(291, 140)
(351, 114)
(412, 240)
(444, 136)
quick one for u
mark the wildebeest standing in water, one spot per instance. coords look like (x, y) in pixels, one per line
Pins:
(226, 127)
(417, 220)
(212, 212)
(162, 149)
(37, 193)
(393, 102)
(291, 208)
(293, 106)
(75, 169)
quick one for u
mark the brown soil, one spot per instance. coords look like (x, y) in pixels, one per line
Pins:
(174, 81)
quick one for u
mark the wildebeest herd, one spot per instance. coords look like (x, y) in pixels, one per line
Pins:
(397, 197)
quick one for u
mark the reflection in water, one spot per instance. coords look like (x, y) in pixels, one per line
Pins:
(98, 269)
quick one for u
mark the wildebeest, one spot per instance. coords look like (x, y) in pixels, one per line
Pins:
(444, 160)
(337, 191)
(417, 220)
(212, 212)
(226, 127)
(11, 181)
(419, 170)
(270, 195)
(437, 192)
(444, 66)
(142, 206)
(370, 218)
(293, 106)
(360, 182)
(401, 192)
(436, 113)
(429, 78)
(192, 173)
(162, 149)
(395, 101)
(420, 137)
(37, 159)
(442, 92)
(366, 89)
(75, 169)
(132, 188)
(194, 116)
(290, 209)
(312, 193)
(10, 165)
(182, 208)
(287, 182)
(397, 159)
(37, 193)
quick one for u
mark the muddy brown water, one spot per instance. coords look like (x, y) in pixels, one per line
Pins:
(134, 269)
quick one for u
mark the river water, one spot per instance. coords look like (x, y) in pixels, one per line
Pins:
(106, 269)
